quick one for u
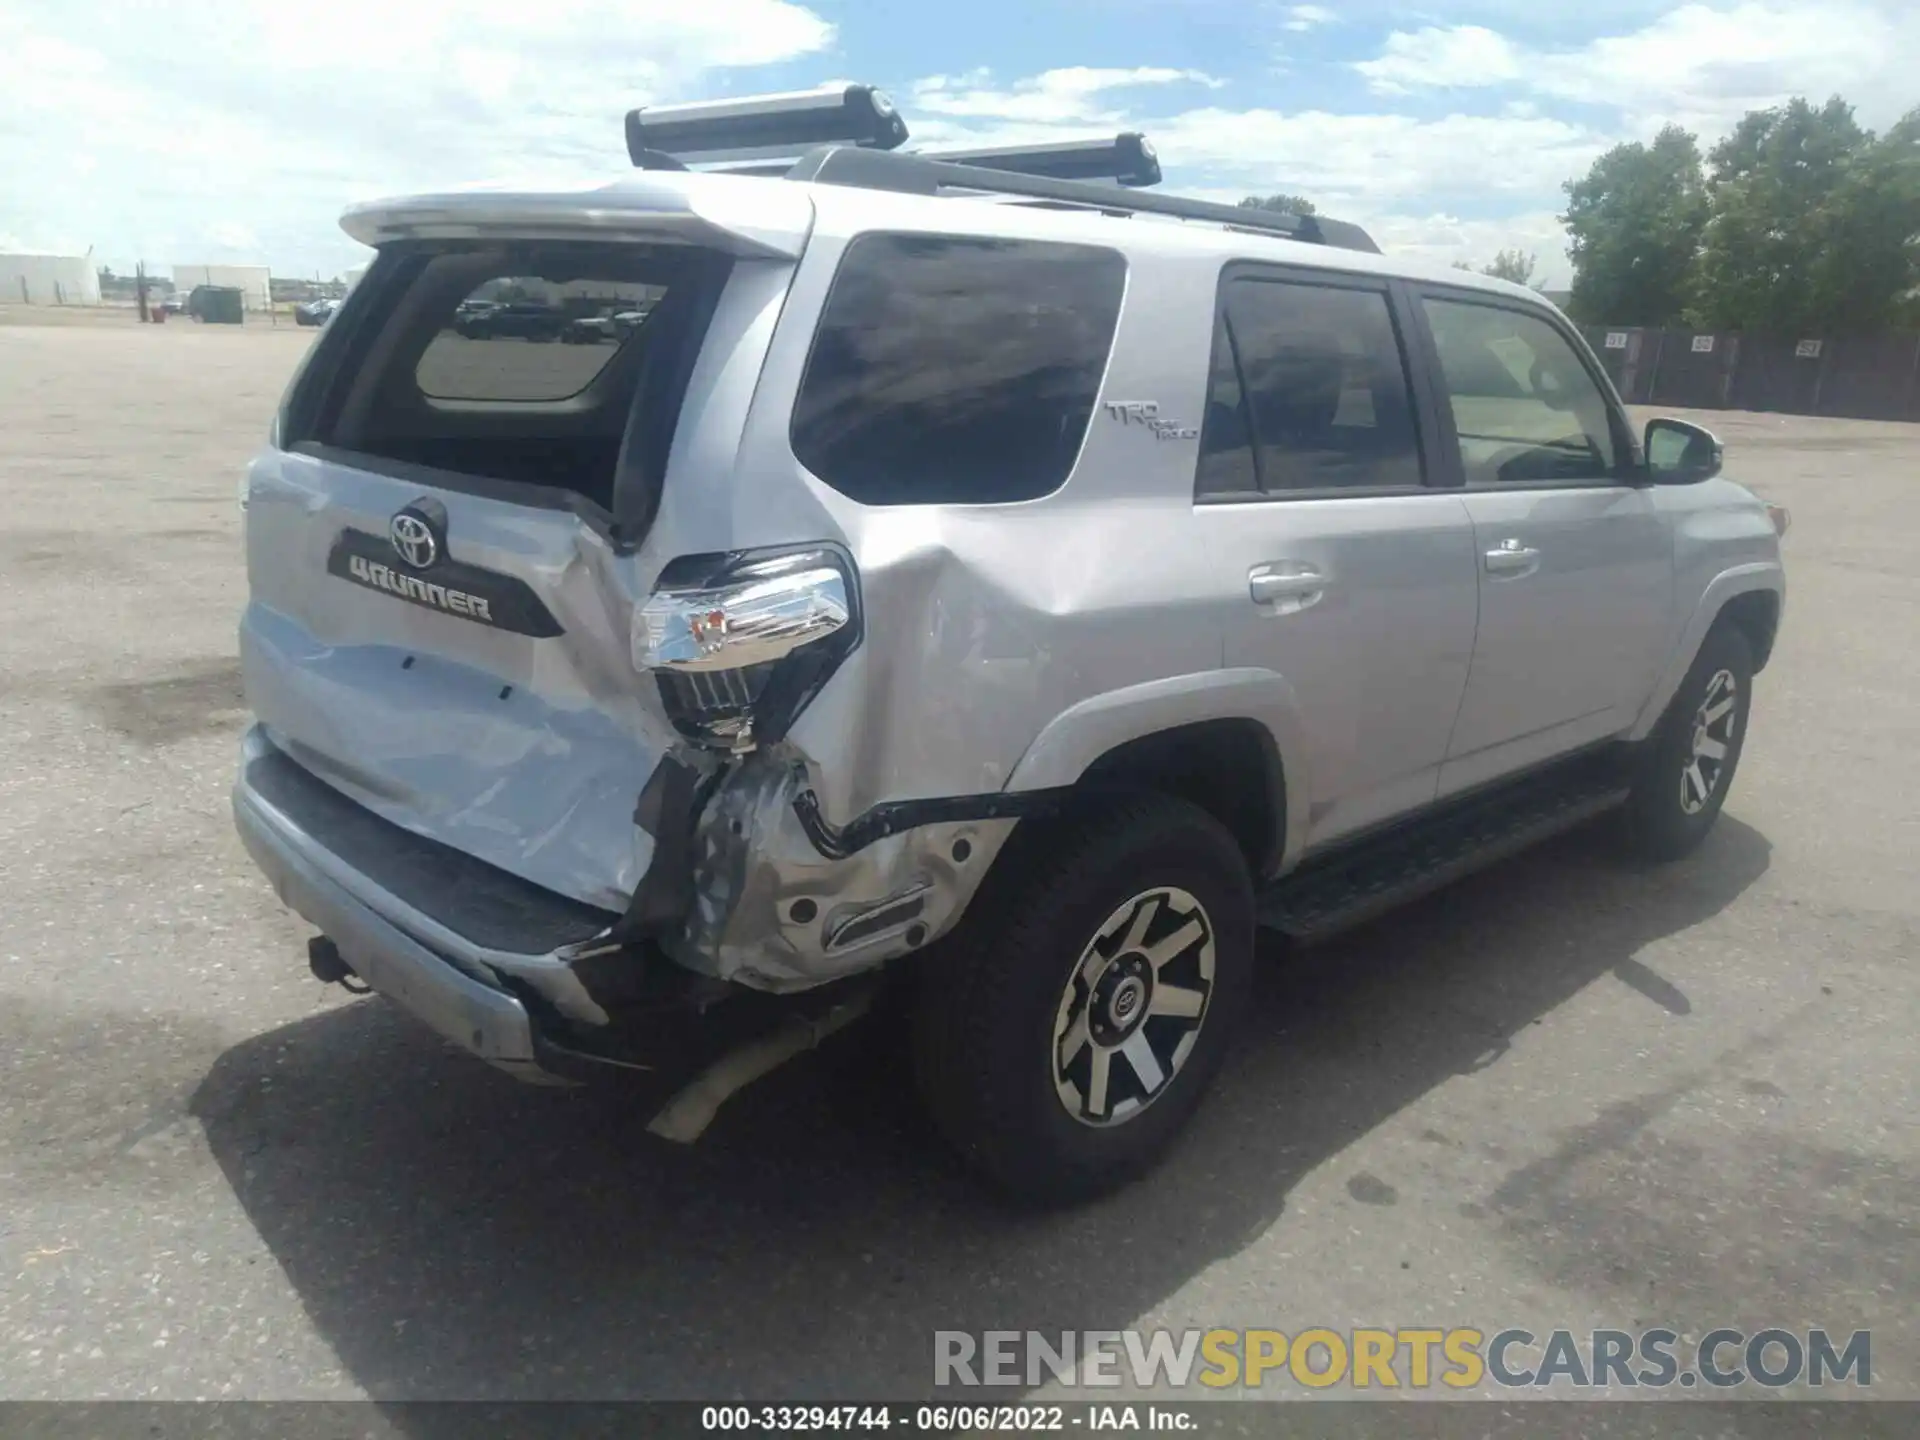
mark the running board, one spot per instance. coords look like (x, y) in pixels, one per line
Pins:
(1359, 881)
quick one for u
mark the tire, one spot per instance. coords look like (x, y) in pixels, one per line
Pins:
(1667, 816)
(1038, 992)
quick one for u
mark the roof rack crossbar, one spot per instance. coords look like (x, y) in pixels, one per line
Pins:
(927, 175)
(1127, 158)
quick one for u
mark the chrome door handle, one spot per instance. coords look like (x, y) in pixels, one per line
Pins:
(1287, 586)
(1511, 558)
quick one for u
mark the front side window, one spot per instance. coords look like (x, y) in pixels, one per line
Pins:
(956, 370)
(1525, 408)
(1309, 392)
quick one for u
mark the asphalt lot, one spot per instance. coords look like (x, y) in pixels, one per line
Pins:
(1564, 1093)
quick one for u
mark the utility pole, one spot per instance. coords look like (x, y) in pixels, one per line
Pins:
(140, 289)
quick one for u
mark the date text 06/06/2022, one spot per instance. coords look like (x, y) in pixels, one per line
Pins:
(940, 1419)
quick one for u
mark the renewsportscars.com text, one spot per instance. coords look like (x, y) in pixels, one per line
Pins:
(1412, 1359)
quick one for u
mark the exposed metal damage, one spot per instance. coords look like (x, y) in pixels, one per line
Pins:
(770, 911)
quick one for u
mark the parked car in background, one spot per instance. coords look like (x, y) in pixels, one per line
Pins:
(519, 319)
(591, 330)
(315, 312)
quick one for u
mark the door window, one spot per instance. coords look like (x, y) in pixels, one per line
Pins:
(1308, 392)
(1524, 407)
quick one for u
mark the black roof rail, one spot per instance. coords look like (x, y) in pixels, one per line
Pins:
(1127, 158)
(929, 175)
(669, 137)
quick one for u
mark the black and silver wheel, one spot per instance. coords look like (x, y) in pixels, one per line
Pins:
(1069, 1027)
(1688, 764)
(1710, 742)
(1132, 1011)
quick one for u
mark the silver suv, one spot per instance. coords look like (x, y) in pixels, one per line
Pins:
(1010, 585)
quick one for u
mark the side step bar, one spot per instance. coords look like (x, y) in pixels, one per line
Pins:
(1356, 882)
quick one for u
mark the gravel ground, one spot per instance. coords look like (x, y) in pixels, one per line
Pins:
(1561, 1094)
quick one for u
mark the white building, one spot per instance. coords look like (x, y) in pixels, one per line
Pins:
(48, 280)
(251, 280)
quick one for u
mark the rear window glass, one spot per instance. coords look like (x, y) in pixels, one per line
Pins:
(529, 362)
(527, 338)
(952, 370)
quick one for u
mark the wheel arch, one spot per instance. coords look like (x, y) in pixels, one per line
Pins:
(1753, 597)
(1197, 737)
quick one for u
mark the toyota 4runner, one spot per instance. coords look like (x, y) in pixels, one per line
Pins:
(966, 572)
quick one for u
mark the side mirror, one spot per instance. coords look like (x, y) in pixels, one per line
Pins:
(1679, 453)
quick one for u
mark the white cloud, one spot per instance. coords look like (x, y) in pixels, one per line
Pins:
(283, 112)
(231, 235)
(1377, 159)
(1444, 239)
(1703, 65)
(1078, 94)
(1442, 56)
(238, 129)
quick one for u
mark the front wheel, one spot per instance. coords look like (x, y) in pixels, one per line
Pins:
(1688, 764)
(1071, 1026)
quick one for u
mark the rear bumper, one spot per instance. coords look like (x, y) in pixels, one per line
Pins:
(478, 955)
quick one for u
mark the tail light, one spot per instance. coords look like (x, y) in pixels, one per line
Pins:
(739, 643)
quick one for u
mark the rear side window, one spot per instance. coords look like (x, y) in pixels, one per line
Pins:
(951, 370)
(1309, 392)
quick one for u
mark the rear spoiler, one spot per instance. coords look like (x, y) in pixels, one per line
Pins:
(767, 222)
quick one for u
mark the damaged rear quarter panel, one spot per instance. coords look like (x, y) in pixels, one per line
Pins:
(983, 623)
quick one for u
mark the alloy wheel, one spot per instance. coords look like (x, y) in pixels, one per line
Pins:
(1712, 742)
(1133, 1006)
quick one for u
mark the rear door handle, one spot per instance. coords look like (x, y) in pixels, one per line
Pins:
(1511, 559)
(1286, 585)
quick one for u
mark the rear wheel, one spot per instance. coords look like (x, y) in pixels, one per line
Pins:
(1689, 761)
(1073, 1023)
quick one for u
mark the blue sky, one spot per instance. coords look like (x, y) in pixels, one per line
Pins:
(236, 130)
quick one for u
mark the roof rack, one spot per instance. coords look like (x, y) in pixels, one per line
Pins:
(670, 137)
(1127, 158)
(851, 134)
(928, 175)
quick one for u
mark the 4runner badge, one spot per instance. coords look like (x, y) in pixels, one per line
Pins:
(1147, 413)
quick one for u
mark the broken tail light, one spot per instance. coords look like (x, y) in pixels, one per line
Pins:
(739, 643)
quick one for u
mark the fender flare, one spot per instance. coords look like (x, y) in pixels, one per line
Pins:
(1079, 735)
(1736, 580)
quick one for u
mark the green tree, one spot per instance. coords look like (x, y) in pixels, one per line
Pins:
(1515, 265)
(1634, 222)
(1286, 204)
(1864, 275)
(1780, 191)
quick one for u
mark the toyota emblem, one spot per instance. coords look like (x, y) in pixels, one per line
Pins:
(413, 539)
